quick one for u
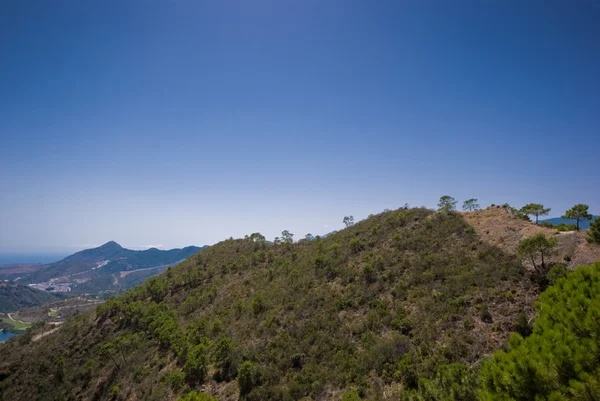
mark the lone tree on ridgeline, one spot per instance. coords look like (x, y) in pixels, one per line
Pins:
(470, 205)
(579, 213)
(536, 210)
(447, 204)
(594, 232)
(534, 249)
(349, 221)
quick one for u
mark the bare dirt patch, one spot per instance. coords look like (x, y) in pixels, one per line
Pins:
(499, 228)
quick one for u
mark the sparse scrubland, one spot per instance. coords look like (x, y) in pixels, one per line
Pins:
(409, 304)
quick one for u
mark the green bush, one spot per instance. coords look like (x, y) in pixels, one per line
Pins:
(175, 379)
(350, 395)
(257, 305)
(225, 359)
(593, 234)
(451, 382)
(196, 396)
(114, 392)
(522, 326)
(246, 378)
(195, 367)
(369, 274)
(560, 360)
(566, 227)
(355, 245)
(556, 272)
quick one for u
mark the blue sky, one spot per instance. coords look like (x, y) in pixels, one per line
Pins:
(177, 122)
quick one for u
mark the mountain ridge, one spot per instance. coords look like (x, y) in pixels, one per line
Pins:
(373, 307)
(98, 269)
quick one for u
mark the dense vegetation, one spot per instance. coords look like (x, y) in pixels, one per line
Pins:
(403, 305)
(14, 296)
(560, 360)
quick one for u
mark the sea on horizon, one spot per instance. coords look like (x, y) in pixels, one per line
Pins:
(18, 257)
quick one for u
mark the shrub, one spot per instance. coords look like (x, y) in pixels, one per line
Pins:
(355, 245)
(566, 227)
(175, 379)
(522, 326)
(451, 382)
(114, 391)
(560, 359)
(350, 395)
(334, 249)
(196, 365)
(557, 271)
(297, 360)
(484, 314)
(196, 396)
(257, 305)
(225, 359)
(368, 272)
(593, 234)
(245, 378)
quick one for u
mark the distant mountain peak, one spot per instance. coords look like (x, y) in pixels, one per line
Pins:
(111, 244)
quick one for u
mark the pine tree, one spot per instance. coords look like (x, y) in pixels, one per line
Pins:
(559, 361)
(579, 213)
(594, 231)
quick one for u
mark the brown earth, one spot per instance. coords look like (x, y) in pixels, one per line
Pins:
(497, 227)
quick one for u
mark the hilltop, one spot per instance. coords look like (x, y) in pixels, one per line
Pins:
(498, 228)
(379, 307)
(109, 267)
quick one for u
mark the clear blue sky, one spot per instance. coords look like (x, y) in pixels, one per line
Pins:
(178, 122)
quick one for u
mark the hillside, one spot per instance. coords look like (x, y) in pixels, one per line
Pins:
(385, 307)
(100, 269)
(15, 296)
(14, 271)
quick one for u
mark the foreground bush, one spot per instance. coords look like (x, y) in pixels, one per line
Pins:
(561, 359)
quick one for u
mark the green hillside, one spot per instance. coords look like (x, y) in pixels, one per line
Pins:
(403, 305)
(14, 296)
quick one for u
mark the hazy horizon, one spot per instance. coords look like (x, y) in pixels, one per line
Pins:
(185, 123)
